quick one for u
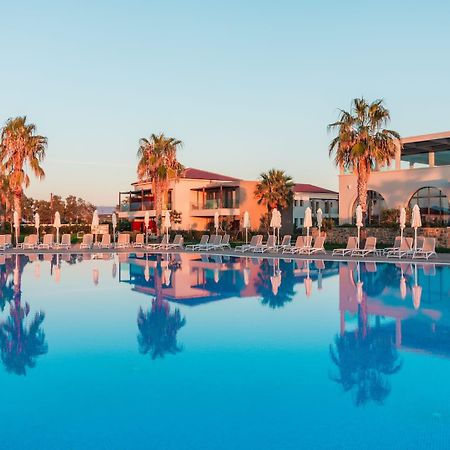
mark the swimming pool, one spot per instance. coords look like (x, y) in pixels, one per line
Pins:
(189, 351)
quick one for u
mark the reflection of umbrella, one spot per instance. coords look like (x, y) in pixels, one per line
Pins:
(167, 274)
(359, 221)
(95, 276)
(57, 225)
(37, 270)
(402, 222)
(246, 225)
(57, 270)
(402, 287)
(146, 225)
(307, 221)
(359, 286)
(167, 224)
(416, 291)
(94, 224)
(147, 272)
(416, 222)
(114, 270)
(114, 226)
(319, 219)
(216, 275)
(16, 225)
(308, 281)
(275, 281)
(246, 273)
(37, 223)
(216, 221)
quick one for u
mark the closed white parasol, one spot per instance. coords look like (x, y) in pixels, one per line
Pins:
(57, 225)
(416, 222)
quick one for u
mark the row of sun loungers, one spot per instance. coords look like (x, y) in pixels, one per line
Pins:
(402, 248)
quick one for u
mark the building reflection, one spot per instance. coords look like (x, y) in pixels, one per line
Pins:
(22, 339)
(199, 279)
(386, 309)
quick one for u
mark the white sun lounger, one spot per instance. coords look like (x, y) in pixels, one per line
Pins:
(269, 245)
(106, 241)
(255, 241)
(318, 247)
(285, 243)
(370, 248)
(140, 241)
(159, 245)
(428, 249)
(177, 243)
(65, 242)
(352, 244)
(31, 243)
(87, 242)
(123, 240)
(403, 250)
(203, 240)
(47, 241)
(214, 242)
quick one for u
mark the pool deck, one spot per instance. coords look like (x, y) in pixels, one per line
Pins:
(441, 258)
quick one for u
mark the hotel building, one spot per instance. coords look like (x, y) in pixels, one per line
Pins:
(419, 174)
(315, 197)
(199, 194)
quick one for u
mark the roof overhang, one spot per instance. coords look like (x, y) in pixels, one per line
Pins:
(436, 142)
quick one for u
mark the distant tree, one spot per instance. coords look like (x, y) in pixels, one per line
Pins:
(274, 189)
(21, 149)
(158, 163)
(362, 142)
(71, 214)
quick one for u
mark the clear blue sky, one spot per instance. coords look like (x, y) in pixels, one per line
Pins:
(245, 85)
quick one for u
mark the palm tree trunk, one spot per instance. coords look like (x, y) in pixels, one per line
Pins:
(363, 175)
(18, 203)
(158, 206)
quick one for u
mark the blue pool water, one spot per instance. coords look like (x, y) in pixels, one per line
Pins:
(190, 352)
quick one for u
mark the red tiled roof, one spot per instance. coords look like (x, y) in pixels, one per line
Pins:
(310, 188)
(197, 174)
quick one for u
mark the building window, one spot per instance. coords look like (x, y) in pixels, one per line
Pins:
(434, 205)
(301, 202)
(327, 208)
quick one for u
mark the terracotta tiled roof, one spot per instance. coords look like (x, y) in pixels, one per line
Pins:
(310, 188)
(198, 174)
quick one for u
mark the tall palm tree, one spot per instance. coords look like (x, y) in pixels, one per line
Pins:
(158, 163)
(274, 189)
(21, 148)
(362, 142)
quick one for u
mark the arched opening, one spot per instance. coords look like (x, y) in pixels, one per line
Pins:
(434, 206)
(375, 206)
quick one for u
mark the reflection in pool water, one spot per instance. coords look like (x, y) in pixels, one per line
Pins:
(232, 340)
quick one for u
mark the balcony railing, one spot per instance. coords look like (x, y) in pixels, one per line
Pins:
(215, 204)
(141, 206)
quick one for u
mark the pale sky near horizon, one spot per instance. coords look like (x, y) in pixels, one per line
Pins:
(246, 86)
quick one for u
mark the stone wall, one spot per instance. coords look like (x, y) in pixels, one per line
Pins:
(339, 235)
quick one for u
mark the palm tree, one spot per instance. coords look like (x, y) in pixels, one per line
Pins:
(274, 189)
(158, 163)
(21, 148)
(362, 142)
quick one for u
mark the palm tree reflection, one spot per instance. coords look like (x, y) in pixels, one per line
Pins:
(21, 342)
(365, 358)
(158, 327)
